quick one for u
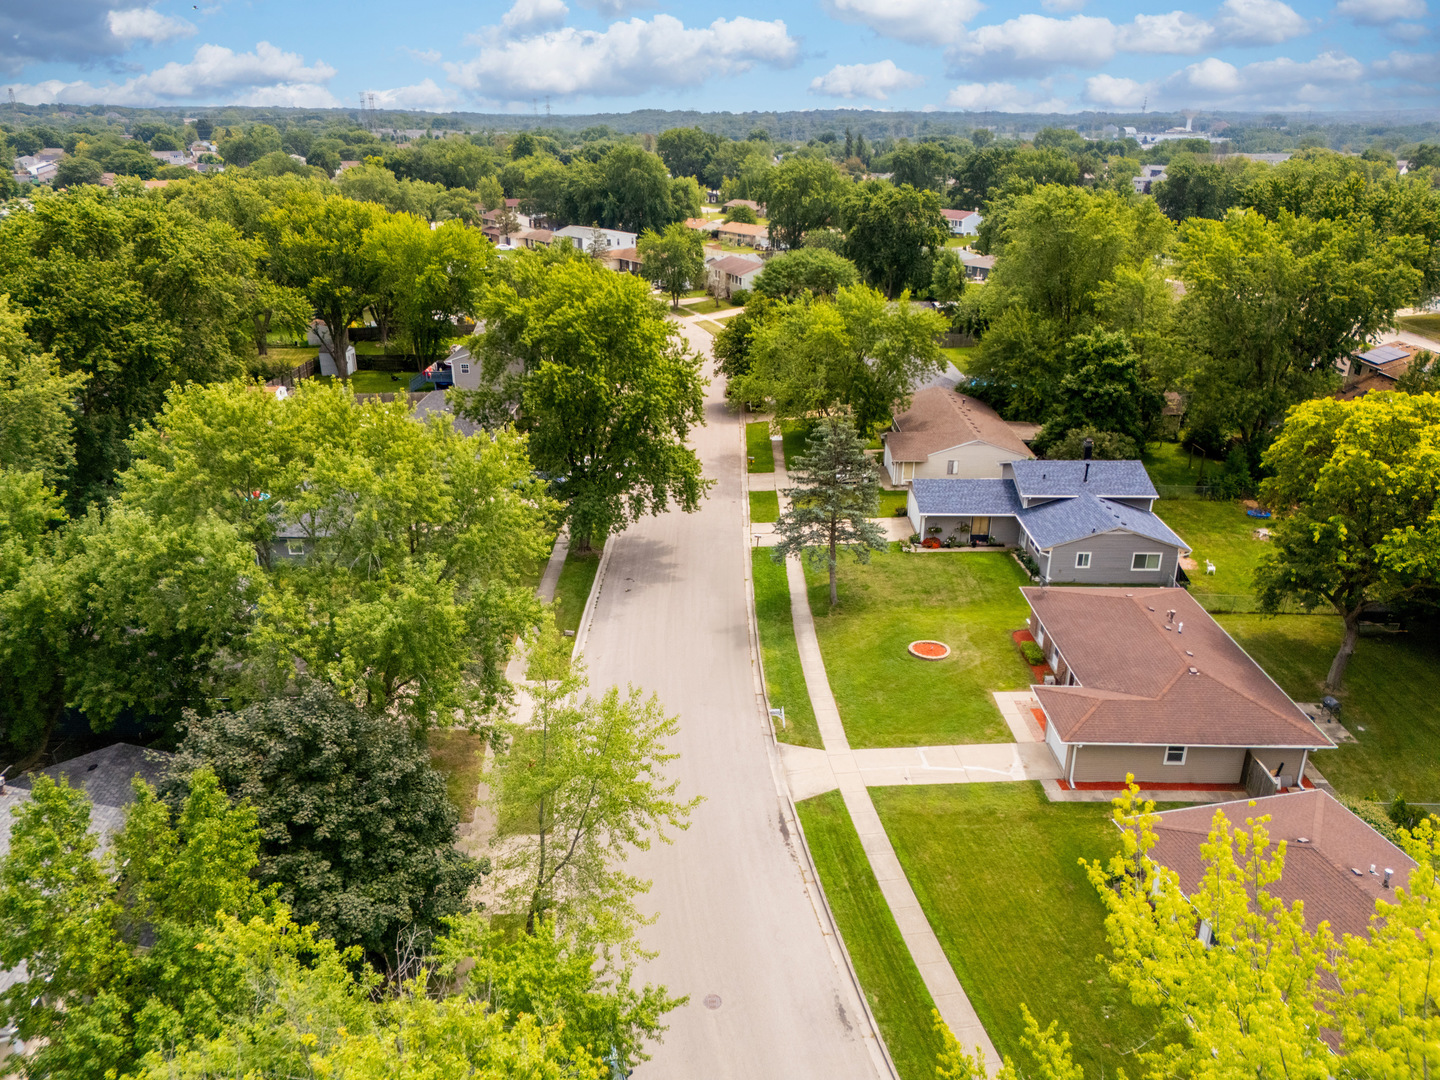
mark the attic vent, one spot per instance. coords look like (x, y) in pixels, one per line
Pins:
(1194, 671)
(1189, 653)
(1302, 839)
(1147, 606)
(1356, 872)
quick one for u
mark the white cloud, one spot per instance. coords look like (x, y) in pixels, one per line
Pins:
(1330, 77)
(1259, 22)
(875, 81)
(1414, 67)
(625, 58)
(424, 95)
(425, 56)
(1379, 12)
(612, 8)
(1111, 92)
(921, 22)
(1176, 32)
(529, 16)
(267, 76)
(1062, 7)
(147, 24)
(1001, 97)
(1035, 42)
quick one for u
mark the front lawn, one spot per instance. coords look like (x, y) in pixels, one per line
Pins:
(459, 756)
(711, 328)
(710, 306)
(970, 601)
(795, 435)
(892, 501)
(888, 975)
(1424, 325)
(577, 577)
(757, 447)
(1220, 532)
(380, 382)
(764, 506)
(784, 679)
(960, 356)
(1387, 692)
(995, 869)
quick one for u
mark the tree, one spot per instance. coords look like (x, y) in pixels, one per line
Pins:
(432, 276)
(251, 145)
(630, 191)
(674, 259)
(1194, 187)
(831, 506)
(72, 171)
(1103, 388)
(36, 403)
(1420, 375)
(858, 354)
(607, 389)
(892, 235)
(1270, 307)
(924, 166)
(687, 151)
(1354, 483)
(810, 270)
(583, 781)
(947, 279)
(743, 214)
(320, 249)
(801, 194)
(357, 831)
(1104, 446)
(114, 949)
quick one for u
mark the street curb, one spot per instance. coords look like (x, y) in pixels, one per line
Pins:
(879, 1052)
(588, 614)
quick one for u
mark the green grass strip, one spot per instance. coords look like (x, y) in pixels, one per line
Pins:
(764, 506)
(784, 679)
(577, 577)
(757, 447)
(888, 975)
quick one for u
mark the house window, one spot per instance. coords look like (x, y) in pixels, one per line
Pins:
(295, 547)
(951, 468)
(1082, 560)
(1174, 755)
(464, 369)
(1145, 560)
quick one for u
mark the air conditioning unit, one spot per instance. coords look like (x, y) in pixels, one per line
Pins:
(1049, 680)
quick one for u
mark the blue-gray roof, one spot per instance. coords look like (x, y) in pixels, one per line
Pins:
(985, 498)
(1059, 479)
(1066, 520)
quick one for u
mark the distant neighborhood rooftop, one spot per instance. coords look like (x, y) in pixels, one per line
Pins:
(940, 418)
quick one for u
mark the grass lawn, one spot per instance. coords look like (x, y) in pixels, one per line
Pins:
(960, 356)
(379, 382)
(1425, 325)
(796, 433)
(764, 506)
(1169, 463)
(757, 447)
(710, 306)
(458, 756)
(888, 975)
(295, 355)
(1387, 692)
(576, 578)
(890, 501)
(1220, 532)
(709, 327)
(784, 681)
(995, 869)
(887, 697)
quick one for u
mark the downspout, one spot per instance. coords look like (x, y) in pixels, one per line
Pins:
(1074, 753)
(1300, 776)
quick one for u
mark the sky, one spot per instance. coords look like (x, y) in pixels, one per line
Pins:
(588, 56)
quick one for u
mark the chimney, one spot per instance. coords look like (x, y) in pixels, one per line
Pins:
(1089, 447)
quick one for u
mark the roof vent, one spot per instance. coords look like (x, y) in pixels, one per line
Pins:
(1189, 653)
(1170, 615)
(1147, 606)
(1356, 872)
(1180, 628)
(1194, 671)
(1302, 839)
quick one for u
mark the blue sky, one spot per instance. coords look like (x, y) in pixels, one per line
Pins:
(617, 55)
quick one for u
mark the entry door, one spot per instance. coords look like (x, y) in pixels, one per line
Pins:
(980, 526)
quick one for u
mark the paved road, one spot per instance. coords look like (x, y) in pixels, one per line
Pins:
(735, 917)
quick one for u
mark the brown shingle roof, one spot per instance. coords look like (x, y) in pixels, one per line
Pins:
(1320, 872)
(740, 228)
(1137, 687)
(737, 265)
(939, 418)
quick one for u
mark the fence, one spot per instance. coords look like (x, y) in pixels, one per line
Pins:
(956, 341)
(1243, 603)
(1183, 491)
(295, 374)
(367, 362)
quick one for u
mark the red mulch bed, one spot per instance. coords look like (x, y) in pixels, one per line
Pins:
(1038, 671)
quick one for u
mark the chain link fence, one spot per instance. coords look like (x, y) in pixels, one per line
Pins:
(1247, 604)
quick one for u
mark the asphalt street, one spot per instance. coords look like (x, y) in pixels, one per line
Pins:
(737, 928)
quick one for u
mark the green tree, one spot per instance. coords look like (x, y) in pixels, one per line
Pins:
(675, 259)
(72, 171)
(1420, 375)
(1104, 446)
(687, 151)
(947, 279)
(251, 145)
(924, 166)
(582, 780)
(743, 214)
(1270, 307)
(115, 954)
(607, 389)
(313, 768)
(858, 354)
(1355, 486)
(806, 270)
(1194, 187)
(837, 493)
(801, 194)
(320, 249)
(1103, 388)
(892, 235)
(36, 403)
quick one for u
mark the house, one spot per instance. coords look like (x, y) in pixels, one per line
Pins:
(977, 267)
(737, 232)
(963, 222)
(1149, 174)
(1376, 368)
(583, 237)
(1086, 522)
(459, 369)
(724, 277)
(759, 208)
(700, 224)
(1148, 684)
(533, 238)
(175, 157)
(1335, 865)
(945, 433)
(623, 260)
(347, 165)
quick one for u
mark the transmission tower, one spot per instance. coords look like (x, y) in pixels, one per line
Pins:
(12, 98)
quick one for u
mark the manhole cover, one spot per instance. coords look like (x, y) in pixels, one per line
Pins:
(712, 1001)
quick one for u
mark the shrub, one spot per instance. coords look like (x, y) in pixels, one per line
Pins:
(914, 538)
(1033, 654)
(742, 214)
(740, 296)
(900, 511)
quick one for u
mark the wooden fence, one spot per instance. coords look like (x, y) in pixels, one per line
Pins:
(301, 371)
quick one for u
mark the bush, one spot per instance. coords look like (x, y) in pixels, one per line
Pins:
(1033, 654)
(743, 214)
(1235, 480)
(914, 538)
(740, 296)
(900, 511)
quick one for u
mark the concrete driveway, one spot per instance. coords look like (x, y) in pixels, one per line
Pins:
(739, 926)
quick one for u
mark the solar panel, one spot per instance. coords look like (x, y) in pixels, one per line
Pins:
(1384, 354)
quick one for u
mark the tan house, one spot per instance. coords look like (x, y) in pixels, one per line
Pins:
(724, 277)
(623, 260)
(1147, 683)
(737, 232)
(946, 433)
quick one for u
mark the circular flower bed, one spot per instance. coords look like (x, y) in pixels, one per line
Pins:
(929, 650)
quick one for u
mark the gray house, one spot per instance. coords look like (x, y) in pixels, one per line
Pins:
(1087, 522)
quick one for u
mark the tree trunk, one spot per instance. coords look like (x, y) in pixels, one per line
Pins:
(262, 332)
(1347, 649)
(834, 592)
